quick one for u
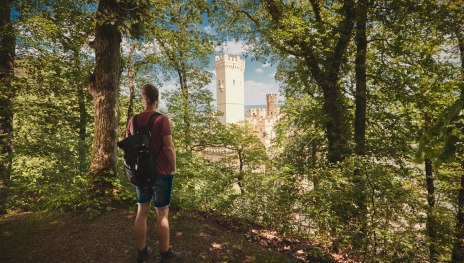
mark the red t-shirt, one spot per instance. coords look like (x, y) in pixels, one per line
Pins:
(160, 128)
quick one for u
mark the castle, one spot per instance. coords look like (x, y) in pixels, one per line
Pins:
(230, 88)
(263, 120)
(230, 73)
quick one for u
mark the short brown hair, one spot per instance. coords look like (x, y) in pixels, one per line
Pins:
(151, 93)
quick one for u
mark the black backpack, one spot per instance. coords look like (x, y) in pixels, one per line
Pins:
(139, 163)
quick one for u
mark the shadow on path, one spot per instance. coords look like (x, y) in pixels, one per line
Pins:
(109, 238)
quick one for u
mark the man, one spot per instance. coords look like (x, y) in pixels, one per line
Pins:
(162, 147)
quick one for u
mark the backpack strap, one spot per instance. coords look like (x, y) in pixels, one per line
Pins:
(152, 119)
(134, 124)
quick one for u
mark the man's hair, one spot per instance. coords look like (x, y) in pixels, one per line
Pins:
(151, 93)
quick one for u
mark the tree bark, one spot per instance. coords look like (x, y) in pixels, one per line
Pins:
(240, 171)
(360, 123)
(431, 223)
(361, 80)
(7, 94)
(131, 73)
(458, 249)
(314, 151)
(81, 100)
(105, 91)
(335, 123)
(182, 72)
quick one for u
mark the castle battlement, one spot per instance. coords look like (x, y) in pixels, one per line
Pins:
(229, 62)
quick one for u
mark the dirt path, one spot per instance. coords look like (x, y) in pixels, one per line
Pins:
(109, 238)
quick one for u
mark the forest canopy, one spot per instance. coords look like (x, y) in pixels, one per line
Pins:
(368, 160)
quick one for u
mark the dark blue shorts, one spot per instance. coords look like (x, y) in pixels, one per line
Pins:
(160, 192)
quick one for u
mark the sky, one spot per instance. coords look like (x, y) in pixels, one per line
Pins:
(259, 77)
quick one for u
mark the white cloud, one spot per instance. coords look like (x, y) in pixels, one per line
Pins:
(272, 75)
(255, 92)
(266, 65)
(208, 30)
(233, 48)
(259, 70)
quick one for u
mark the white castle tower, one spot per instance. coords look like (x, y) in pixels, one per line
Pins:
(230, 74)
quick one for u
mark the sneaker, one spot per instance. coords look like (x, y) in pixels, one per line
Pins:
(143, 255)
(172, 256)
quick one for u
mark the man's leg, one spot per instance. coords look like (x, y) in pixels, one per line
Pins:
(162, 228)
(140, 225)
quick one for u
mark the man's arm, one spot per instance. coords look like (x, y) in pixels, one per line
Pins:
(170, 151)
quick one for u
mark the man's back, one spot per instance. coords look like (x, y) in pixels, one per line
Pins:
(160, 128)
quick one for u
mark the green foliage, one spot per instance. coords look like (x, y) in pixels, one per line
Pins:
(414, 113)
(50, 149)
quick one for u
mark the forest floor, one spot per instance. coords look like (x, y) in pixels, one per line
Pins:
(31, 237)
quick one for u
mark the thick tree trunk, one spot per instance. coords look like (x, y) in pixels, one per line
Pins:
(431, 223)
(105, 94)
(360, 123)
(335, 123)
(7, 94)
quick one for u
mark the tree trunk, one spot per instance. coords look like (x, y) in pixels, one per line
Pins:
(327, 77)
(335, 123)
(105, 91)
(130, 108)
(182, 72)
(458, 249)
(7, 94)
(131, 73)
(315, 177)
(361, 80)
(81, 100)
(240, 171)
(431, 223)
(360, 123)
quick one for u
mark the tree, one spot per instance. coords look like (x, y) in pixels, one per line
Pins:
(318, 35)
(447, 133)
(7, 94)
(186, 51)
(245, 150)
(104, 90)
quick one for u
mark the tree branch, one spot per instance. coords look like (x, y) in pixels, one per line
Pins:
(316, 9)
(345, 29)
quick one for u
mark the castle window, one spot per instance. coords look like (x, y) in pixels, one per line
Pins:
(233, 82)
